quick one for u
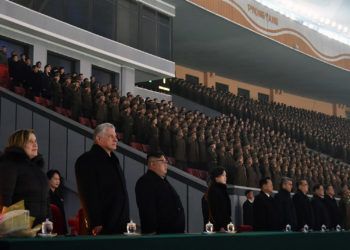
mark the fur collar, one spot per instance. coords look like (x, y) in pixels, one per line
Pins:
(17, 154)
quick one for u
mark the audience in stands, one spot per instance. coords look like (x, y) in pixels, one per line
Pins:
(3, 55)
(251, 142)
(324, 133)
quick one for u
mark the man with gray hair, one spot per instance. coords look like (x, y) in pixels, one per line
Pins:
(101, 184)
(285, 206)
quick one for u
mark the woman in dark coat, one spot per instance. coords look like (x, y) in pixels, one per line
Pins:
(219, 202)
(56, 199)
(21, 175)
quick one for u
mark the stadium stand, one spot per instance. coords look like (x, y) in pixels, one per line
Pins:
(251, 139)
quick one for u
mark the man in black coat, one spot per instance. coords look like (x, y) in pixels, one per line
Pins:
(248, 210)
(332, 207)
(159, 205)
(303, 206)
(319, 208)
(285, 206)
(101, 184)
(264, 208)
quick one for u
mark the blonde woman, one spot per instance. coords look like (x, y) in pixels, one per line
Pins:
(21, 175)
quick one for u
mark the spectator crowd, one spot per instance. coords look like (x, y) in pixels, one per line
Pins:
(251, 139)
(321, 132)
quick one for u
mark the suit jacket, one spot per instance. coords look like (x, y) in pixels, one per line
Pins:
(303, 209)
(264, 213)
(248, 213)
(159, 205)
(286, 210)
(102, 190)
(320, 212)
(333, 211)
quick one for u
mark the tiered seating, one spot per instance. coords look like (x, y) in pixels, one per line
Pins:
(176, 131)
(20, 91)
(324, 133)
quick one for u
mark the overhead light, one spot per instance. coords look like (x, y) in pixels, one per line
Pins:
(163, 88)
(310, 19)
(292, 17)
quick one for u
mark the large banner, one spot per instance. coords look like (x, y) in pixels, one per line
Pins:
(267, 22)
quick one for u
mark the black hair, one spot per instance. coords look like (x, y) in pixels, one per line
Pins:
(52, 172)
(248, 191)
(155, 154)
(300, 181)
(216, 172)
(317, 186)
(264, 181)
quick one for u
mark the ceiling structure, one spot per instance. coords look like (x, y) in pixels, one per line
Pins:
(210, 43)
(335, 10)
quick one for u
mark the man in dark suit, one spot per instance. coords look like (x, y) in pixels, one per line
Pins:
(319, 208)
(160, 207)
(332, 207)
(248, 212)
(302, 206)
(285, 206)
(240, 175)
(264, 207)
(101, 184)
(212, 160)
